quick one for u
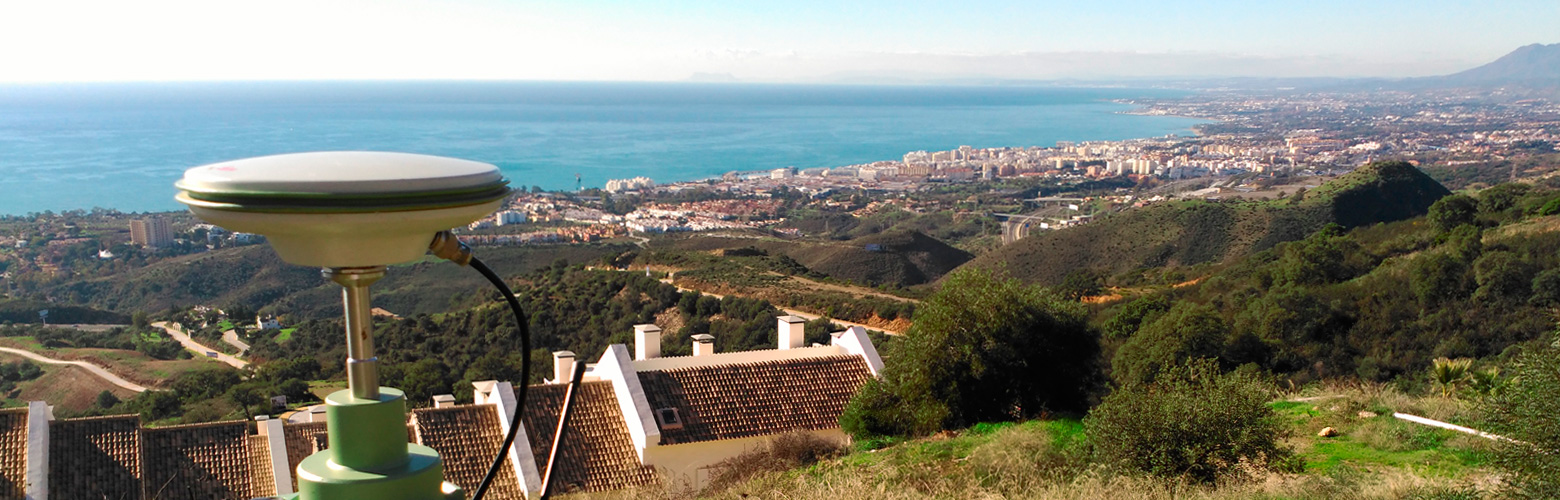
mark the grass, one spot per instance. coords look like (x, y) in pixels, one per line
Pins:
(1369, 437)
(1374, 457)
(285, 335)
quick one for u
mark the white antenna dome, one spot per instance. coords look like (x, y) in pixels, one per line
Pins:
(345, 208)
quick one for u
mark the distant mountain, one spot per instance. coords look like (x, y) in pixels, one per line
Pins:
(1191, 232)
(1536, 63)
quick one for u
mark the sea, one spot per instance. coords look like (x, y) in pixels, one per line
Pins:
(122, 145)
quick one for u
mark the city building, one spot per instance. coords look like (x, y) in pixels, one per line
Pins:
(151, 232)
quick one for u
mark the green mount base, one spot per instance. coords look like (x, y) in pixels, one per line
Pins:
(369, 456)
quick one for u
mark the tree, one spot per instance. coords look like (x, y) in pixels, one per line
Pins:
(1546, 288)
(1525, 412)
(246, 396)
(1501, 277)
(1079, 284)
(107, 399)
(982, 349)
(1187, 331)
(1192, 422)
(1452, 211)
(1318, 259)
(1502, 197)
(1437, 278)
(1143, 310)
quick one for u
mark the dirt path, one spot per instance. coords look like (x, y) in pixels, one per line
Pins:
(95, 369)
(850, 290)
(231, 338)
(178, 334)
(793, 312)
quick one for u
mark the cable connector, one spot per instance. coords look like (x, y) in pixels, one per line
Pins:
(446, 246)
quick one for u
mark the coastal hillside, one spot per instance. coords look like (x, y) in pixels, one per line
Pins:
(1185, 233)
(895, 257)
(254, 277)
(903, 258)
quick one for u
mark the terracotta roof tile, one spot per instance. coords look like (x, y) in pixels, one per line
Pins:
(197, 462)
(467, 437)
(13, 453)
(300, 444)
(261, 478)
(754, 399)
(95, 457)
(598, 454)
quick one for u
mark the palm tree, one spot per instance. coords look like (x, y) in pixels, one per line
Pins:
(1447, 373)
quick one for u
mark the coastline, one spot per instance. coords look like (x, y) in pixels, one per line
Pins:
(128, 164)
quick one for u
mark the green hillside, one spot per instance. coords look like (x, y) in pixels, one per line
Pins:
(898, 257)
(254, 277)
(1185, 233)
(904, 258)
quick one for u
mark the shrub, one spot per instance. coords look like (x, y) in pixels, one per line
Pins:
(1525, 411)
(1187, 331)
(107, 399)
(1452, 211)
(983, 349)
(784, 452)
(1191, 422)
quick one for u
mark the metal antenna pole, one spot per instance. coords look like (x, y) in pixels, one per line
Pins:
(563, 427)
(362, 365)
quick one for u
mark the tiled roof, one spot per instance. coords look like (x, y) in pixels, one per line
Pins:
(754, 399)
(300, 444)
(261, 477)
(95, 457)
(13, 453)
(597, 454)
(467, 438)
(198, 462)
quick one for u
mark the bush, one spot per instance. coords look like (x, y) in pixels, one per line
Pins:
(1525, 411)
(106, 400)
(1187, 331)
(1452, 211)
(785, 452)
(1191, 422)
(983, 349)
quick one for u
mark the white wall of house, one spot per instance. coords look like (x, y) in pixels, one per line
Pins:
(690, 464)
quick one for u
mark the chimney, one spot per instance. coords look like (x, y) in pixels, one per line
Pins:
(703, 344)
(647, 341)
(444, 401)
(563, 366)
(791, 336)
(317, 413)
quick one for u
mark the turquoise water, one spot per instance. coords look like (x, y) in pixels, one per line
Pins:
(122, 146)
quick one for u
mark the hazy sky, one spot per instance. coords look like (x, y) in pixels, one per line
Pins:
(781, 40)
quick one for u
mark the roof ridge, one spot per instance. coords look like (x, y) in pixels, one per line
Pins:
(198, 425)
(767, 362)
(100, 417)
(430, 409)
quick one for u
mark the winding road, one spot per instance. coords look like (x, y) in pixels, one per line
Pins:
(178, 334)
(95, 369)
(232, 339)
